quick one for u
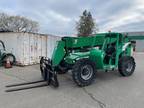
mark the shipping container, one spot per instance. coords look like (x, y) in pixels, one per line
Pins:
(28, 47)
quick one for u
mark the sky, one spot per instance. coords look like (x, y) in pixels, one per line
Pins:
(60, 16)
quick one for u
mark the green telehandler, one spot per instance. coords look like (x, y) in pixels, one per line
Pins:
(86, 55)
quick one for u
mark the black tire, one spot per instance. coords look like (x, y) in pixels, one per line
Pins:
(126, 65)
(11, 57)
(84, 72)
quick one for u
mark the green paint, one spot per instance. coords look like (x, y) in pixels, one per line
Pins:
(59, 53)
(98, 57)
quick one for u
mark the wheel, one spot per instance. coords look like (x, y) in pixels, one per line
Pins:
(83, 72)
(126, 65)
(9, 57)
(43, 70)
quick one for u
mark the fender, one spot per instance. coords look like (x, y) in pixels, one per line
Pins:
(97, 56)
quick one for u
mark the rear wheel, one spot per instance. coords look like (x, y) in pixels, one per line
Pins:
(84, 72)
(126, 65)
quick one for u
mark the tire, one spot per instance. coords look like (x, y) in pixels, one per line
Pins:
(11, 57)
(83, 72)
(126, 65)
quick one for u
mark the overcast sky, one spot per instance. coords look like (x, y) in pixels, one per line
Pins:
(60, 16)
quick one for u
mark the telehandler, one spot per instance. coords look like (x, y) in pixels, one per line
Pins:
(86, 55)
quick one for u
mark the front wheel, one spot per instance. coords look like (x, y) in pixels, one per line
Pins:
(126, 65)
(83, 72)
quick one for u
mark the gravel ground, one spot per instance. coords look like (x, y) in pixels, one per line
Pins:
(110, 90)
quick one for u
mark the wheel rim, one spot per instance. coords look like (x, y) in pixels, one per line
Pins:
(129, 67)
(86, 72)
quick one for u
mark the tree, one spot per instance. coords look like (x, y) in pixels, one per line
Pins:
(17, 24)
(86, 25)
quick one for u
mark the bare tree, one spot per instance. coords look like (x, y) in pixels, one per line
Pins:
(3, 22)
(17, 24)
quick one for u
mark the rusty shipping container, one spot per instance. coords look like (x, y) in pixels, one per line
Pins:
(27, 47)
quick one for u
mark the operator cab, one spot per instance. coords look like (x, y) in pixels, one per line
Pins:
(110, 52)
(110, 48)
